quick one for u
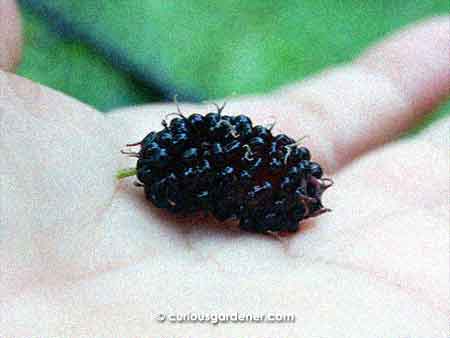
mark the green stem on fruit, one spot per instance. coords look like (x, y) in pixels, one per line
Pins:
(122, 173)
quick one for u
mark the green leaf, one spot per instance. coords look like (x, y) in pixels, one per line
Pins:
(74, 68)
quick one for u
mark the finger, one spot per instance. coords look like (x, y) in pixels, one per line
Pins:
(57, 176)
(360, 106)
(10, 35)
(347, 110)
(420, 69)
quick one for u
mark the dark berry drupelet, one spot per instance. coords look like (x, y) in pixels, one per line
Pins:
(232, 169)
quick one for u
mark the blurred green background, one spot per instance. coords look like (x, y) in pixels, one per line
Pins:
(113, 53)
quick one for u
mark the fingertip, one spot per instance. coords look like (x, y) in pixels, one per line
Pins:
(417, 60)
(10, 35)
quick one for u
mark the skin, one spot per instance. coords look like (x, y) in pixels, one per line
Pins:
(84, 254)
(10, 37)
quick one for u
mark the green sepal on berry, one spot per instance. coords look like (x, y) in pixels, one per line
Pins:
(127, 172)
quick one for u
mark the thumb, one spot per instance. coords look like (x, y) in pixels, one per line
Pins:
(10, 35)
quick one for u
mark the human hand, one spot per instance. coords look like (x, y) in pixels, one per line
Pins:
(83, 254)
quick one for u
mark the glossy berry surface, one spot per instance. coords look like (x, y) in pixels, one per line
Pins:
(226, 166)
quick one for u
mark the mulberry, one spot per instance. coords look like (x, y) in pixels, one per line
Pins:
(231, 169)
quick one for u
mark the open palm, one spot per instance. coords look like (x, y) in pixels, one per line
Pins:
(82, 254)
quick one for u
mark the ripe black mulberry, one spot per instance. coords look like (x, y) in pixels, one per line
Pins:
(231, 169)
